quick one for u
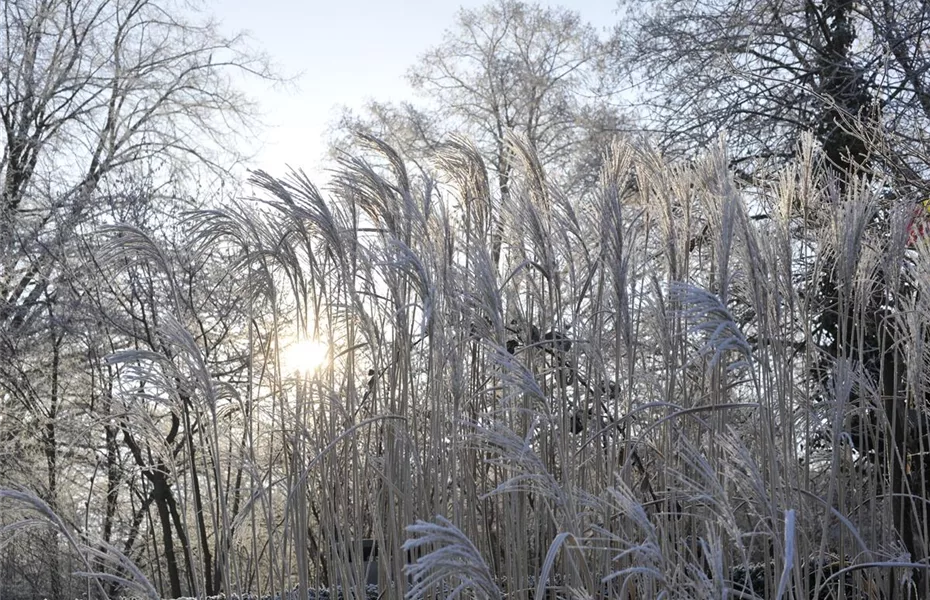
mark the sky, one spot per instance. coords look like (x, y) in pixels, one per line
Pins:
(345, 52)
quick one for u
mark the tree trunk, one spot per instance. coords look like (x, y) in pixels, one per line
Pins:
(198, 503)
(162, 492)
(158, 475)
(51, 459)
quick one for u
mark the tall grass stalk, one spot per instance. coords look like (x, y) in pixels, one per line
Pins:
(636, 399)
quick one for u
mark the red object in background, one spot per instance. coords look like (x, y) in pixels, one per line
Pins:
(919, 226)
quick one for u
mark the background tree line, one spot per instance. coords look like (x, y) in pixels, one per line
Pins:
(513, 299)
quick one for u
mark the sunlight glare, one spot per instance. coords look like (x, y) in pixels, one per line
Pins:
(305, 356)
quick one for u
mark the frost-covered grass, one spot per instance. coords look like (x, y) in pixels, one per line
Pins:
(634, 399)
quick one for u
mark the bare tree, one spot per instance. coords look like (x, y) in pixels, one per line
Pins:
(89, 88)
(93, 94)
(509, 67)
(763, 72)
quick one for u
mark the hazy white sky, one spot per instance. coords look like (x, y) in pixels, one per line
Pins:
(347, 52)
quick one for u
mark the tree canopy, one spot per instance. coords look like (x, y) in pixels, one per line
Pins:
(764, 72)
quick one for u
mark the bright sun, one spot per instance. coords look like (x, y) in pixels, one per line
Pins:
(305, 356)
